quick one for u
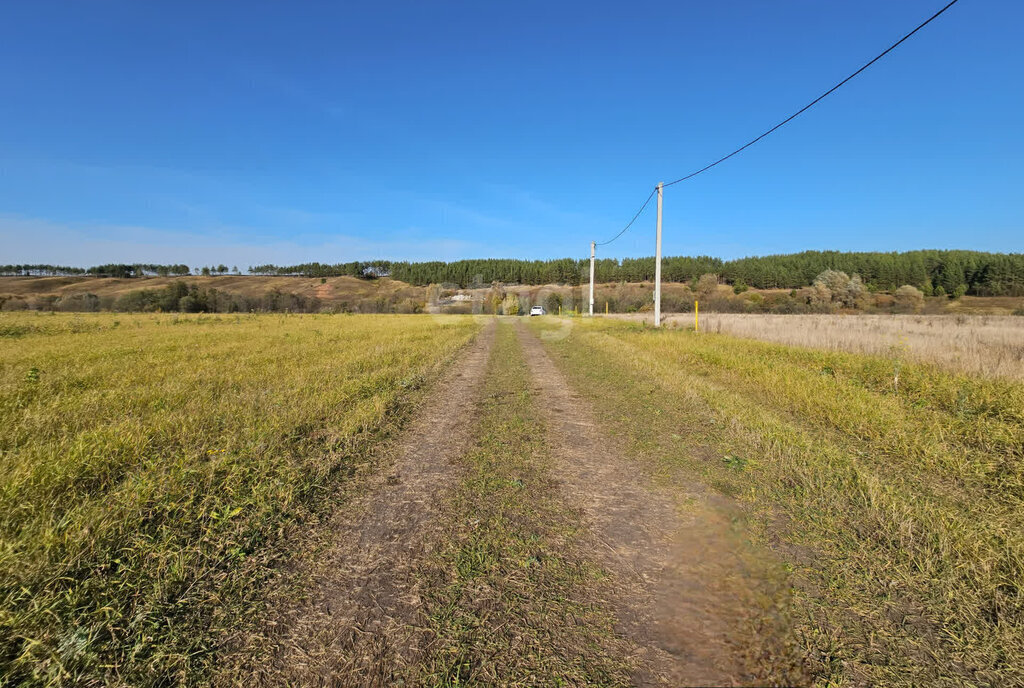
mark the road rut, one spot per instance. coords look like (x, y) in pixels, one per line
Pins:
(358, 628)
(664, 558)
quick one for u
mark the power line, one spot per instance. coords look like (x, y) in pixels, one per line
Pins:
(785, 121)
(630, 223)
(816, 100)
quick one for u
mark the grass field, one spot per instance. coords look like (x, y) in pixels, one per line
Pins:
(897, 508)
(983, 344)
(157, 472)
(151, 467)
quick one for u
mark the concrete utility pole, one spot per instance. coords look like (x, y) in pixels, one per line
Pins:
(592, 245)
(657, 267)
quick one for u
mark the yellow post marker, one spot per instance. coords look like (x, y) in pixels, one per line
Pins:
(559, 309)
(606, 308)
(696, 316)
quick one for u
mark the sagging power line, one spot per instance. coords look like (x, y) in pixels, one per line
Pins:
(630, 223)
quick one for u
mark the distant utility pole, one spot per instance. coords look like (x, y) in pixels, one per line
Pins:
(657, 268)
(592, 245)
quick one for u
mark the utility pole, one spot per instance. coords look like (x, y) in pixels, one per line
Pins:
(592, 246)
(657, 268)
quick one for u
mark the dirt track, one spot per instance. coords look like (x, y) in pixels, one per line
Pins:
(360, 624)
(661, 556)
(358, 628)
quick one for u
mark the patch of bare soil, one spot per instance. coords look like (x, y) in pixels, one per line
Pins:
(323, 291)
(682, 584)
(357, 627)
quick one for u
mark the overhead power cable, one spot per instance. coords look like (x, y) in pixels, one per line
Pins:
(787, 120)
(817, 100)
(630, 223)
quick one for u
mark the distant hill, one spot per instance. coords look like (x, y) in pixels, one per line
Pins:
(244, 293)
(934, 272)
(228, 293)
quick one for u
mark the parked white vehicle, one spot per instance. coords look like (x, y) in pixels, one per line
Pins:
(537, 310)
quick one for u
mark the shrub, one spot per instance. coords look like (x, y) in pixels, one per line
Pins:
(909, 299)
(552, 302)
(754, 303)
(787, 305)
(846, 291)
(79, 302)
(818, 297)
(706, 285)
(137, 301)
(510, 305)
(676, 303)
(833, 280)
(142, 300)
(495, 295)
(409, 306)
(856, 294)
(192, 303)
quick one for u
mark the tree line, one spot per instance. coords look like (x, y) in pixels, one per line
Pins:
(934, 272)
(120, 270)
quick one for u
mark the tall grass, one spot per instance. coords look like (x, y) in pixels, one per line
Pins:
(150, 465)
(983, 344)
(898, 506)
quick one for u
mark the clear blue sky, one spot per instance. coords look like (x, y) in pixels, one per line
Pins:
(249, 132)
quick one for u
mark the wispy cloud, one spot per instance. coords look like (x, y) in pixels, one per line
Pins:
(529, 202)
(463, 216)
(35, 240)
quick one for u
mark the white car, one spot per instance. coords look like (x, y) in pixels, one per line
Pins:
(537, 310)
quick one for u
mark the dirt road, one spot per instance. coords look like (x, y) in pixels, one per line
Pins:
(358, 627)
(666, 551)
(666, 559)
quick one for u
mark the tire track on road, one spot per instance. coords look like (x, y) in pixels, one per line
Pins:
(358, 627)
(666, 561)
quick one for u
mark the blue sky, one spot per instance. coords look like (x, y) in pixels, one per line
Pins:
(250, 132)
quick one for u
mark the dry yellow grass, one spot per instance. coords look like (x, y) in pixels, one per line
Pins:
(977, 344)
(152, 466)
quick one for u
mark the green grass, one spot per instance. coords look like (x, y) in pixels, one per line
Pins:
(510, 598)
(151, 465)
(896, 505)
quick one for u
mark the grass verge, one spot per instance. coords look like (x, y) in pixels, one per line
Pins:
(511, 600)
